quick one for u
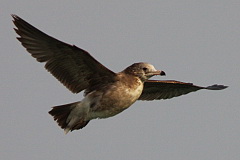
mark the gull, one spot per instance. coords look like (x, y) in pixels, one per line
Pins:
(106, 93)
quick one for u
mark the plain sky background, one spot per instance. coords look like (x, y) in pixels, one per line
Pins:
(192, 41)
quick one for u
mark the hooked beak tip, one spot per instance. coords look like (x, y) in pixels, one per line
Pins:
(162, 73)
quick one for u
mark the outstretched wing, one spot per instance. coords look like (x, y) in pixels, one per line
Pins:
(154, 89)
(72, 66)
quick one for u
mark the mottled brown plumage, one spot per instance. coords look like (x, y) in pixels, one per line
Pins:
(106, 93)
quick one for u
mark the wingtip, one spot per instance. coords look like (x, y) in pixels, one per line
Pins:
(216, 87)
(15, 19)
(14, 16)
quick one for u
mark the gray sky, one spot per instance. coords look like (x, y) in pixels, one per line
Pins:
(192, 41)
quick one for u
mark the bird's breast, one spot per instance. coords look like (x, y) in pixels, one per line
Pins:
(116, 98)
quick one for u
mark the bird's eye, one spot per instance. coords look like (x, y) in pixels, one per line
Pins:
(145, 69)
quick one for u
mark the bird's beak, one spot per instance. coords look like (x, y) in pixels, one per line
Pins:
(161, 73)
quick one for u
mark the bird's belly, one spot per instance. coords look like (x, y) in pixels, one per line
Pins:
(115, 101)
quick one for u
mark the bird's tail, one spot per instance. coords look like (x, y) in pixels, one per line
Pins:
(69, 117)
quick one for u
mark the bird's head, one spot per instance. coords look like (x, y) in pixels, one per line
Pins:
(143, 70)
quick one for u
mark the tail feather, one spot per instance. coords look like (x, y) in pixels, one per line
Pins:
(61, 116)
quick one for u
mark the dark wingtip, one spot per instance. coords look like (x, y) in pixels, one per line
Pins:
(216, 87)
(15, 17)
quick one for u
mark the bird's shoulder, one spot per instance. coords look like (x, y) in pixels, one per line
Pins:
(128, 80)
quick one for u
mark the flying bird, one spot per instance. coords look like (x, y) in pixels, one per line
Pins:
(106, 93)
